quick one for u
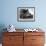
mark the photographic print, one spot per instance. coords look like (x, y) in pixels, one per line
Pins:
(26, 14)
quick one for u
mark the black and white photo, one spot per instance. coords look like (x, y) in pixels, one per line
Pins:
(26, 14)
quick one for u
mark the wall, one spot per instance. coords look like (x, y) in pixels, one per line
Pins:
(8, 15)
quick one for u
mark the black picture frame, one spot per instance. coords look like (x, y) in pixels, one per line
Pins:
(26, 14)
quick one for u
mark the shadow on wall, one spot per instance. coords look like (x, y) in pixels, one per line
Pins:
(2, 26)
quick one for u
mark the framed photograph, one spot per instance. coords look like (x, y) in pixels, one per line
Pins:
(26, 14)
